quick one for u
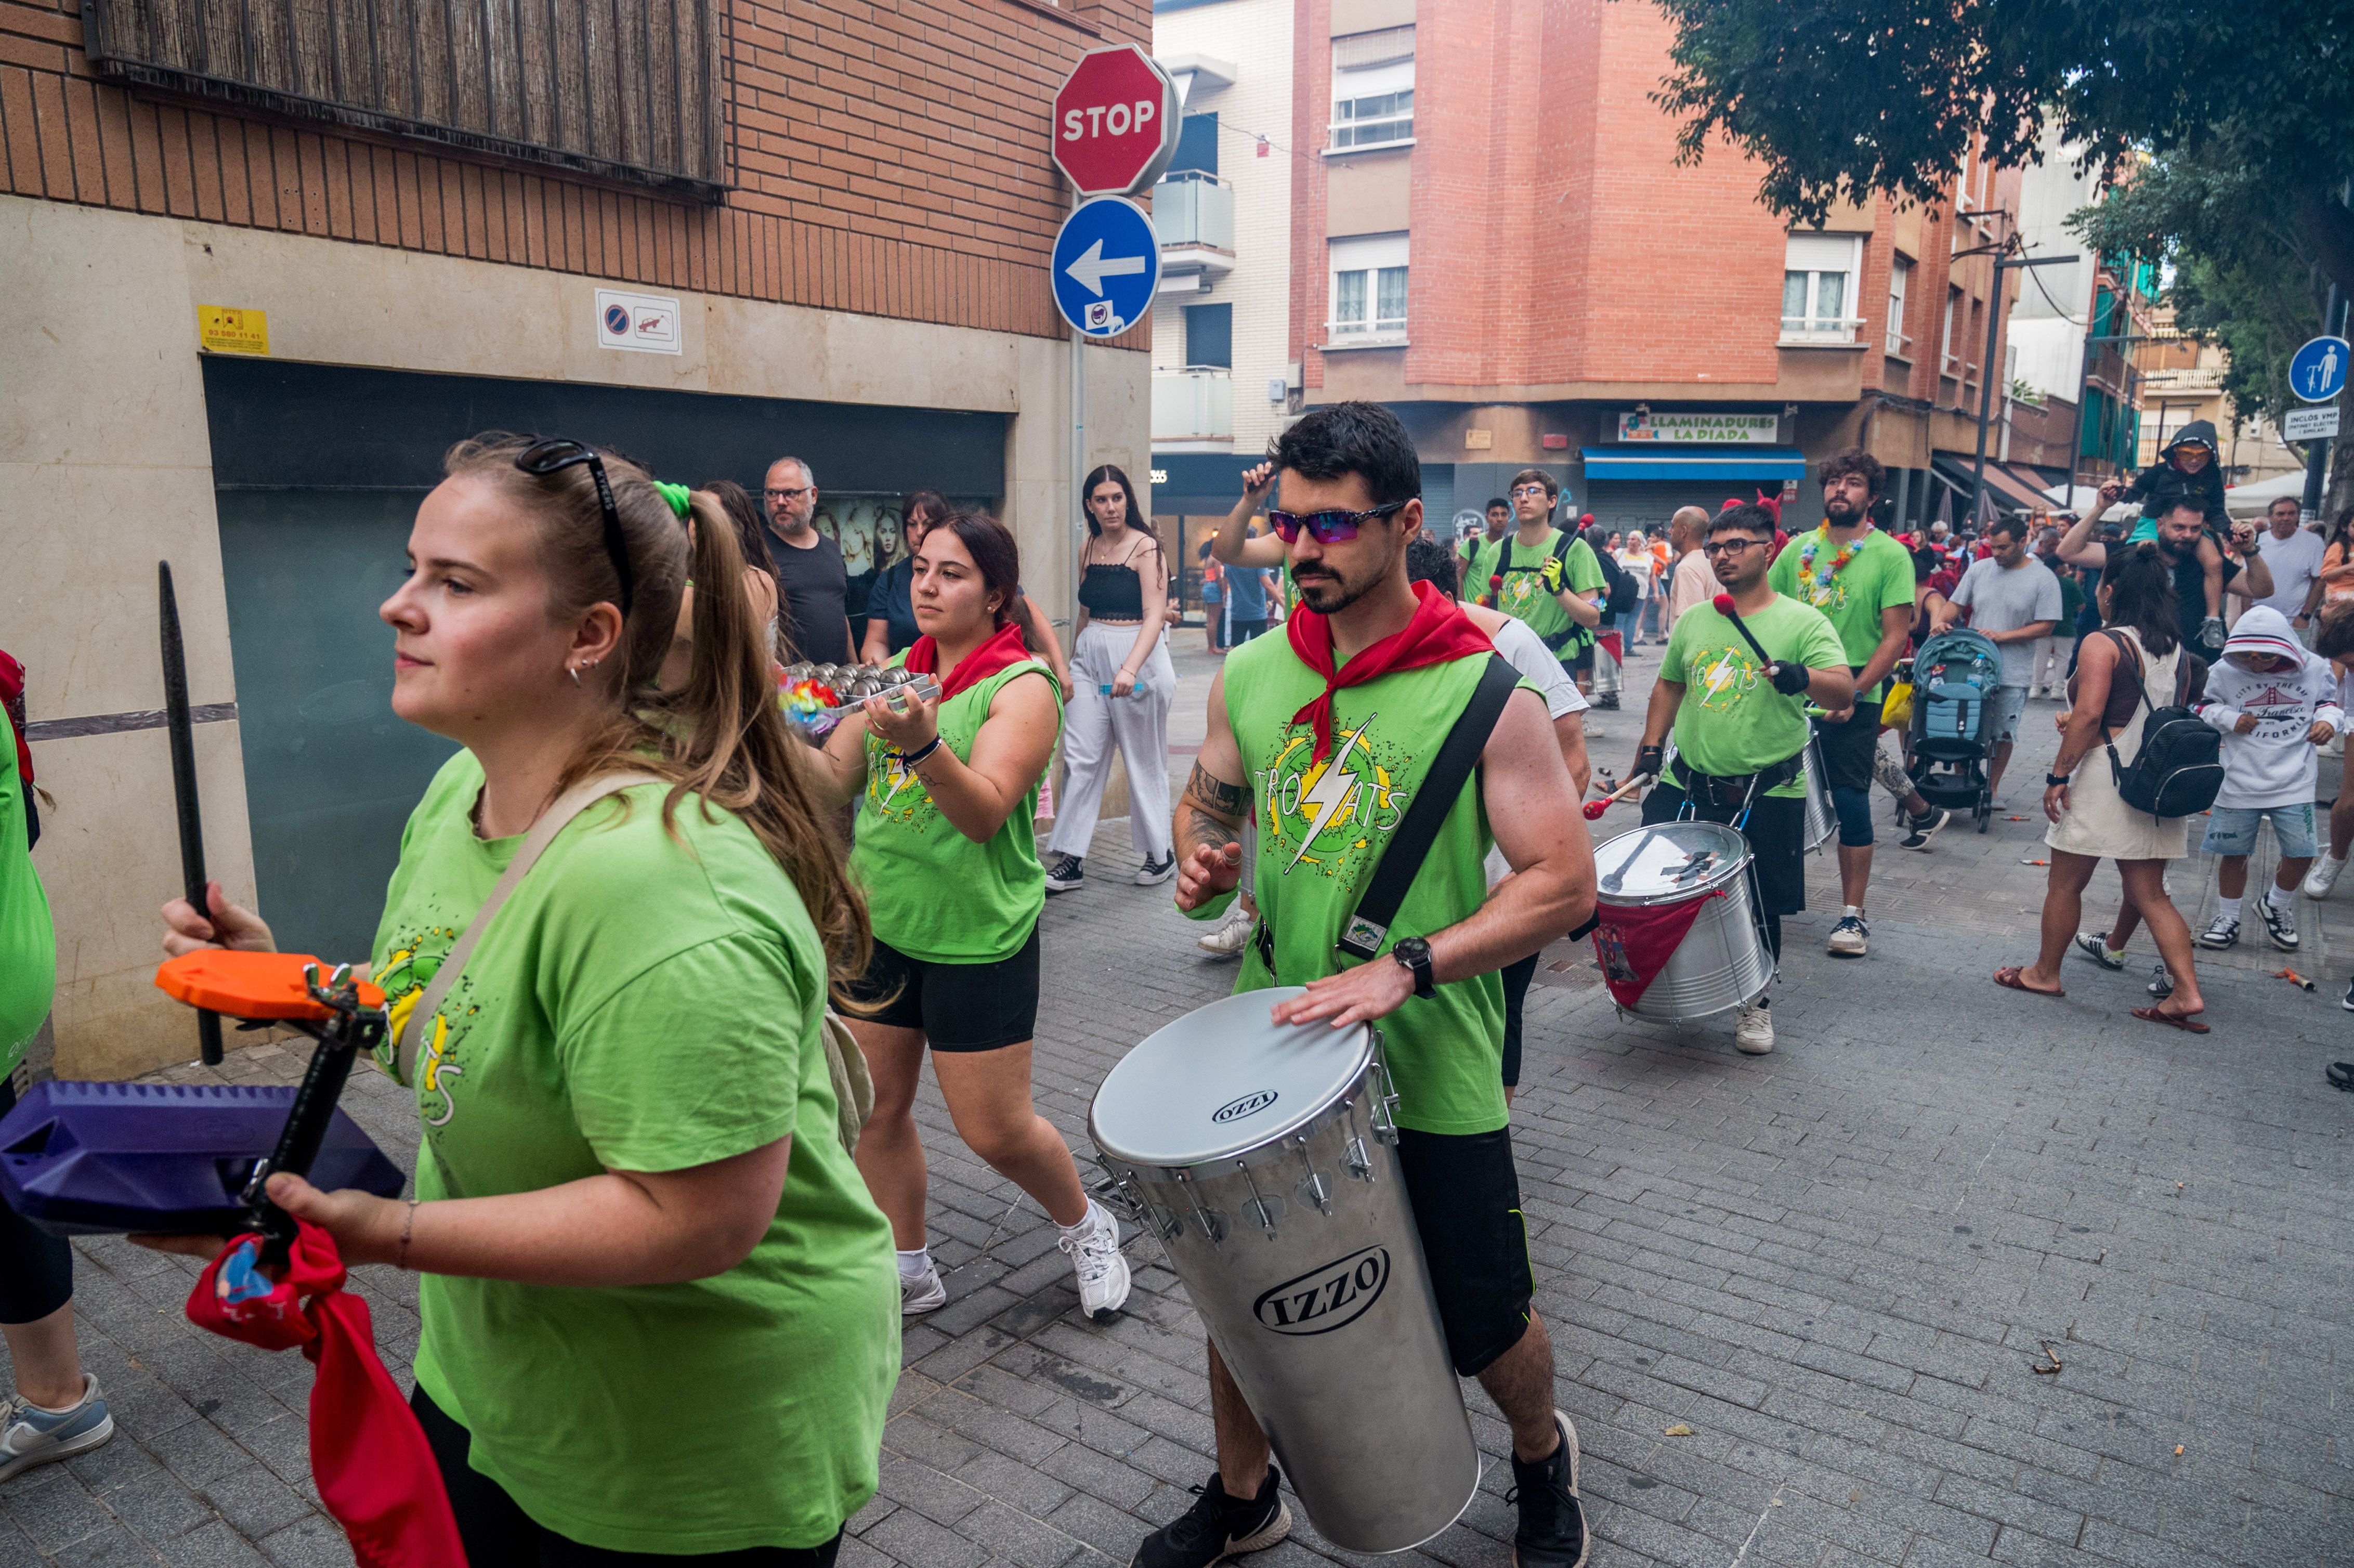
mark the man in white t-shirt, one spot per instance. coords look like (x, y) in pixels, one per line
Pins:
(2013, 599)
(2293, 557)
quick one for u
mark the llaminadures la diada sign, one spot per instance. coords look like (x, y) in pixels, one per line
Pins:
(1674, 428)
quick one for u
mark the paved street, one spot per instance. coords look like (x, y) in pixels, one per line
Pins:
(1832, 1266)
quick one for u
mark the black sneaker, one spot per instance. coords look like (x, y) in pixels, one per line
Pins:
(1218, 1526)
(1607, 700)
(1066, 873)
(1919, 831)
(1154, 871)
(1553, 1518)
(2347, 1002)
(2222, 932)
(2280, 925)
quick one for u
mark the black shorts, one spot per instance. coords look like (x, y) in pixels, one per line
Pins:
(958, 1007)
(1467, 1205)
(1777, 835)
(1848, 749)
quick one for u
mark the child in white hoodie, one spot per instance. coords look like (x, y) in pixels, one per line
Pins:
(2274, 704)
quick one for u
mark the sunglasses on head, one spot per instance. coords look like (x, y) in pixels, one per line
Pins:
(542, 459)
(1326, 528)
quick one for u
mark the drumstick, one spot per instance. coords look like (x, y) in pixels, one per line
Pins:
(1594, 809)
(1724, 606)
(183, 785)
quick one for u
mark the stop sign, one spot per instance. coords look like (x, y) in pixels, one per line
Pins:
(1116, 121)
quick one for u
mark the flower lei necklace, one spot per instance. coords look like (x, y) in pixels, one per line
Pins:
(1814, 543)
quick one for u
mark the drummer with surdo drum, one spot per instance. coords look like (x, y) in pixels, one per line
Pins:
(1733, 683)
(1304, 730)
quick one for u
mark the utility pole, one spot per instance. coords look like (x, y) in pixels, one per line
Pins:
(1987, 369)
(2317, 453)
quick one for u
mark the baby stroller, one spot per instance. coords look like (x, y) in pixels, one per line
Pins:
(1956, 676)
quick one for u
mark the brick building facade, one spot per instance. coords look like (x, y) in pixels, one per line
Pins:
(844, 210)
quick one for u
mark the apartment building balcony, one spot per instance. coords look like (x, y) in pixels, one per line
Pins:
(1194, 215)
(1196, 403)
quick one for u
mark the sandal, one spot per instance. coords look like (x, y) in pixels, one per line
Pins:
(2341, 1075)
(2014, 979)
(2187, 1023)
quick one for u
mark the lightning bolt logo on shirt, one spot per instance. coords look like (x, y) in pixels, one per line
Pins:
(1327, 815)
(1332, 792)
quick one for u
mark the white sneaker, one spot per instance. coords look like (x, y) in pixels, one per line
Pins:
(30, 1435)
(1753, 1036)
(1229, 936)
(923, 1294)
(2323, 876)
(1093, 1247)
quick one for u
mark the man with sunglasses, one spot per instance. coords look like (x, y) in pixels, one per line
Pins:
(815, 585)
(1735, 688)
(1334, 727)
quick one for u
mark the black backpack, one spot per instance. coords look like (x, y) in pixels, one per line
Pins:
(1620, 582)
(2179, 769)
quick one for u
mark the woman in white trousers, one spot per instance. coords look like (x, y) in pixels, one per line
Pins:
(1122, 683)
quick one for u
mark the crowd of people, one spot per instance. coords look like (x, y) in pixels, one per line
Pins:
(636, 1192)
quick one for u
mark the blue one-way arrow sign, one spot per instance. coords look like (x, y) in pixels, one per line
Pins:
(1106, 264)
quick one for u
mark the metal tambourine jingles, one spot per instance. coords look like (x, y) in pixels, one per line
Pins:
(1264, 1159)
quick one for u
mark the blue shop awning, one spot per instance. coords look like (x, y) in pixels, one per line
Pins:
(1694, 463)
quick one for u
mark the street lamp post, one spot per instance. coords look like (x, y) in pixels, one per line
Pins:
(1987, 365)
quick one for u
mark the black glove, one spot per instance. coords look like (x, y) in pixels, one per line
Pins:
(1791, 679)
(1651, 760)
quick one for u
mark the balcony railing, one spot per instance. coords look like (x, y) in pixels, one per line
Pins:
(1196, 404)
(1819, 332)
(629, 90)
(1194, 215)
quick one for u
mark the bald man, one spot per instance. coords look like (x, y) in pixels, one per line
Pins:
(1690, 581)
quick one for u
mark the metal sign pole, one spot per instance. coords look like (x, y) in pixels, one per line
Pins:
(2316, 454)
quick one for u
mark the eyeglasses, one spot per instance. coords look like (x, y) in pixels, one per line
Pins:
(1530, 490)
(1326, 528)
(1725, 546)
(542, 459)
(789, 495)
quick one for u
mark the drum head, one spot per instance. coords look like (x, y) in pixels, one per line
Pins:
(1224, 1079)
(1668, 862)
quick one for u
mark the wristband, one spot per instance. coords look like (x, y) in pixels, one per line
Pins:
(2056, 780)
(407, 1226)
(909, 760)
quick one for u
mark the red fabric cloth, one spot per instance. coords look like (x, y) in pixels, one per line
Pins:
(369, 1456)
(1634, 943)
(1439, 631)
(12, 697)
(1005, 648)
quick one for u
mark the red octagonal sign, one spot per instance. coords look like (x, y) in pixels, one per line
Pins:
(1116, 121)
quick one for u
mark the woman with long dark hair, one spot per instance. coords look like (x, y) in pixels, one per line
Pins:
(642, 1246)
(2136, 655)
(1122, 683)
(947, 792)
(2338, 558)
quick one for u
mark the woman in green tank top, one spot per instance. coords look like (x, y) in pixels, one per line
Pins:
(946, 855)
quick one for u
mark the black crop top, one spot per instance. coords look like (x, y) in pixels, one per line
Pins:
(1112, 593)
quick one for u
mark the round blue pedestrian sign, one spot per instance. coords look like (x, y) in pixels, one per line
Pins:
(2317, 372)
(1106, 266)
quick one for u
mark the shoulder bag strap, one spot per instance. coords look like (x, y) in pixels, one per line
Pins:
(2108, 740)
(552, 821)
(1363, 935)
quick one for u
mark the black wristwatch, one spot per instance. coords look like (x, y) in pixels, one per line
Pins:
(1414, 953)
(2054, 780)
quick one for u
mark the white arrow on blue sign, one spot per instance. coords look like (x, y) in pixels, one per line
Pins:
(2318, 371)
(1107, 265)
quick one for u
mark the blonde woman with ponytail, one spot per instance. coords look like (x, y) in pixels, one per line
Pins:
(659, 1307)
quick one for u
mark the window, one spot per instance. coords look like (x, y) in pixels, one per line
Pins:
(1900, 277)
(1818, 288)
(1210, 336)
(1372, 89)
(1948, 361)
(1197, 146)
(1369, 287)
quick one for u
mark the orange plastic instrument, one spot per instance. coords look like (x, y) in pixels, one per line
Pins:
(252, 985)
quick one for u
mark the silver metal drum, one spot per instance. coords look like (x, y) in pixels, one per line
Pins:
(1821, 822)
(1265, 1160)
(1723, 961)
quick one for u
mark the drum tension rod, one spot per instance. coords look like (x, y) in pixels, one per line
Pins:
(1360, 1163)
(1210, 1226)
(1315, 1182)
(1265, 1217)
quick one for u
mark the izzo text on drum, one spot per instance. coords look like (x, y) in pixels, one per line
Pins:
(1326, 1299)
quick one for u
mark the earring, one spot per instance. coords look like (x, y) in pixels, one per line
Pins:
(574, 672)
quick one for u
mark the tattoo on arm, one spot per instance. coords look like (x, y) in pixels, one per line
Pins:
(1224, 799)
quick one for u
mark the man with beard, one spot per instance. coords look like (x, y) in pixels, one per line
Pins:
(1370, 675)
(2179, 533)
(1740, 724)
(1863, 580)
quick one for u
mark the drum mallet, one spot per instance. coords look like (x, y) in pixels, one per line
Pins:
(177, 724)
(1723, 604)
(1594, 809)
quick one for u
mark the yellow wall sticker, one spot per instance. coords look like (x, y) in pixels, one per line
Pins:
(224, 329)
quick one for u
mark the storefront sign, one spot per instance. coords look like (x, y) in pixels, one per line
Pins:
(1716, 429)
(643, 323)
(223, 328)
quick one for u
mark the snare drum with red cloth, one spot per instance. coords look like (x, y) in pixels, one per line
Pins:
(1677, 932)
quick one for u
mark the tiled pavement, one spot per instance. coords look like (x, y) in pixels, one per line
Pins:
(1834, 1264)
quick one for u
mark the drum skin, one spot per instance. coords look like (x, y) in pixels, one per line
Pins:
(1301, 1255)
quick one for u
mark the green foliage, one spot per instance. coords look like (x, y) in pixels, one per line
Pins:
(2025, 393)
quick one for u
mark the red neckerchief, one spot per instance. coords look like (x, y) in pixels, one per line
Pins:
(1005, 648)
(369, 1456)
(1439, 632)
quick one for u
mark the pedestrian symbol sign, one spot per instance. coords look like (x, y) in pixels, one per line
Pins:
(2317, 372)
(1106, 266)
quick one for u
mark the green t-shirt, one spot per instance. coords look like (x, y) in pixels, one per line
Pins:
(931, 892)
(1878, 576)
(1478, 554)
(1525, 597)
(28, 941)
(1731, 720)
(648, 999)
(1321, 830)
